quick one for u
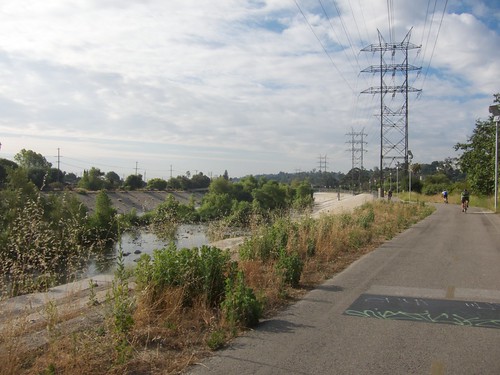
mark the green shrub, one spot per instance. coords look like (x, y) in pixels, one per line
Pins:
(216, 340)
(289, 267)
(214, 265)
(200, 272)
(240, 306)
(266, 244)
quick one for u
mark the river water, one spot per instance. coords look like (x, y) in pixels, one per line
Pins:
(143, 242)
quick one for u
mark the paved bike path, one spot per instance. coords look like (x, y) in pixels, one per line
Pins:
(426, 302)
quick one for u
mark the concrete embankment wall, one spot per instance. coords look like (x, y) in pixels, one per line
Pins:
(141, 201)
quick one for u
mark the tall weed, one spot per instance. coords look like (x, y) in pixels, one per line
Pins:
(197, 271)
(240, 306)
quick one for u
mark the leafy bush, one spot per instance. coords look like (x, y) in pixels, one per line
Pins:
(289, 267)
(36, 252)
(240, 306)
(216, 340)
(200, 272)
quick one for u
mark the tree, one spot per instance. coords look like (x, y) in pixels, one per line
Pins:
(270, 196)
(157, 184)
(221, 186)
(92, 179)
(5, 166)
(113, 181)
(70, 178)
(31, 159)
(102, 223)
(200, 181)
(134, 182)
(478, 157)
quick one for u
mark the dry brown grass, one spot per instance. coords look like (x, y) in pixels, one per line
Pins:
(166, 336)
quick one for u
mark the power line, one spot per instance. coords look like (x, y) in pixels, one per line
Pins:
(324, 48)
(435, 42)
(339, 40)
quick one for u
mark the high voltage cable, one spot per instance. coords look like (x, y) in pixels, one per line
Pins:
(425, 21)
(324, 49)
(356, 24)
(435, 42)
(338, 38)
(343, 26)
(390, 19)
(430, 29)
(364, 21)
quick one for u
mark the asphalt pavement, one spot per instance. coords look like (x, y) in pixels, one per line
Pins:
(426, 302)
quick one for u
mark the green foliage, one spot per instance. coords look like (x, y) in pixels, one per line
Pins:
(5, 166)
(197, 181)
(215, 205)
(249, 196)
(240, 307)
(112, 180)
(304, 194)
(199, 272)
(30, 159)
(40, 243)
(240, 214)
(103, 224)
(200, 181)
(216, 339)
(270, 196)
(289, 267)
(122, 303)
(169, 214)
(157, 184)
(269, 241)
(436, 184)
(478, 156)
(366, 219)
(92, 180)
(134, 182)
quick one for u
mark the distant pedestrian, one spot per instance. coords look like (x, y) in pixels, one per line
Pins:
(389, 194)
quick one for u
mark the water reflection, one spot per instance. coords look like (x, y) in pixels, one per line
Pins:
(136, 243)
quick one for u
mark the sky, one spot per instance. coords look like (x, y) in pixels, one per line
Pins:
(162, 88)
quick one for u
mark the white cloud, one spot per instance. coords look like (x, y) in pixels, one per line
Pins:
(230, 84)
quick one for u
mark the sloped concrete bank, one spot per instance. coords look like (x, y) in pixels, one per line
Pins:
(141, 201)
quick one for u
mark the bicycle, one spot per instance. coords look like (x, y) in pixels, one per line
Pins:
(465, 206)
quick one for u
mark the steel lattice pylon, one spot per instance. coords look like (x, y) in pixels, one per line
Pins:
(393, 115)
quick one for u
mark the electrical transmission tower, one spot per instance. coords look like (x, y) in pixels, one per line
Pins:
(322, 163)
(393, 113)
(357, 149)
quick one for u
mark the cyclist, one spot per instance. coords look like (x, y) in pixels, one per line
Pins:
(445, 196)
(464, 197)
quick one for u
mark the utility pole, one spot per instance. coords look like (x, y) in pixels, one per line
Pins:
(393, 121)
(136, 167)
(357, 150)
(58, 164)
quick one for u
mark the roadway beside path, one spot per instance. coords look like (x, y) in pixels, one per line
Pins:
(426, 302)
